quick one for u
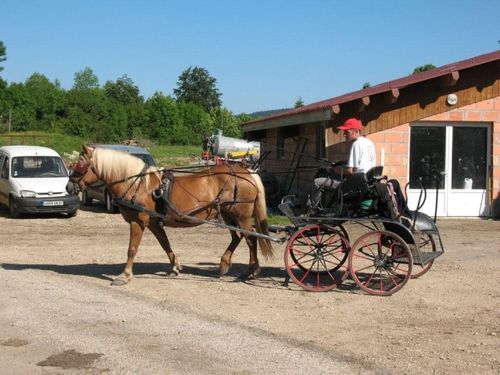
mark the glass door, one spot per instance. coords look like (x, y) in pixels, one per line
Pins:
(451, 162)
(468, 193)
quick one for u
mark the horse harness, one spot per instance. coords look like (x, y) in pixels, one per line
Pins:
(164, 206)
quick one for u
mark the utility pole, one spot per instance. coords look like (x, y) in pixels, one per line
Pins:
(10, 118)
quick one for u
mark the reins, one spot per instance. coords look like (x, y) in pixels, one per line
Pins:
(217, 202)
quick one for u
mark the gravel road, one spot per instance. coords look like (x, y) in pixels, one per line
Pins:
(59, 314)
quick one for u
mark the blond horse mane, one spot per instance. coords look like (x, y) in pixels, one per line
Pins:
(114, 166)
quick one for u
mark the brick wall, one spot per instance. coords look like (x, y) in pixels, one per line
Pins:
(393, 145)
(392, 151)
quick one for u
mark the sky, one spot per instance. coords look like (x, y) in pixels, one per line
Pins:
(264, 54)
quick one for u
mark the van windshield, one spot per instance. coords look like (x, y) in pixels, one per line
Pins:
(38, 166)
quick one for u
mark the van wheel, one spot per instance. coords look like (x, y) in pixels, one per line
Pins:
(14, 213)
(72, 213)
(86, 200)
(110, 207)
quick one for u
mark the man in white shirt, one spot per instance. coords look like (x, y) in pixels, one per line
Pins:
(362, 158)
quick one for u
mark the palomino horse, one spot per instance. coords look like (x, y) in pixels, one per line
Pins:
(230, 192)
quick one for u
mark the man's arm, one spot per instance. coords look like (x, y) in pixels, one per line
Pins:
(343, 170)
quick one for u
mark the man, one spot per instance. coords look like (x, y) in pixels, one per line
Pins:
(361, 158)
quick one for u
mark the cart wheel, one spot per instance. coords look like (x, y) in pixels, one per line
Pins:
(315, 257)
(427, 245)
(380, 262)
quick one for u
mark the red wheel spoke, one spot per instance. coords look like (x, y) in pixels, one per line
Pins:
(382, 270)
(362, 257)
(315, 257)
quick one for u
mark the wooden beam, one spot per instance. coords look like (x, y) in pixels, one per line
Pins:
(335, 109)
(451, 79)
(363, 103)
(392, 96)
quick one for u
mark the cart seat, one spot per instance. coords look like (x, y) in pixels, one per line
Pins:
(375, 173)
(358, 184)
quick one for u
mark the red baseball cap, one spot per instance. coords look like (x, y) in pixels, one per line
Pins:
(351, 123)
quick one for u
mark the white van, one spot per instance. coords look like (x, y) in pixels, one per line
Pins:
(33, 180)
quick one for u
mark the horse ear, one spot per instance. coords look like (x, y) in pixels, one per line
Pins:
(87, 150)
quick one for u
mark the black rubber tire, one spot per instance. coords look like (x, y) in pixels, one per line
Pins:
(72, 214)
(380, 262)
(315, 257)
(14, 213)
(110, 207)
(86, 200)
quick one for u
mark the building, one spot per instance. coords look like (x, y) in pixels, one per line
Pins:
(437, 129)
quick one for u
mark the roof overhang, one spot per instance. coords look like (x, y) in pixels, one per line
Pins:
(321, 115)
(362, 100)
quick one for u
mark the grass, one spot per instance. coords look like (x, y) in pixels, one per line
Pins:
(62, 143)
(66, 146)
(174, 155)
(278, 220)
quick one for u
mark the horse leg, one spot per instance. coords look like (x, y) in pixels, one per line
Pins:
(253, 268)
(225, 260)
(136, 231)
(157, 229)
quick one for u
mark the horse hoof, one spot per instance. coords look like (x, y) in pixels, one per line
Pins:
(172, 273)
(223, 268)
(119, 281)
(250, 274)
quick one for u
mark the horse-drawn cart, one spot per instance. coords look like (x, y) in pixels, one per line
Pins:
(319, 254)
(388, 249)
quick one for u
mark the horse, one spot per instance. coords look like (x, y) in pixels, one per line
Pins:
(229, 193)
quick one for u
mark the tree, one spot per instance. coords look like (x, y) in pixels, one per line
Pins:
(123, 90)
(162, 118)
(19, 102)
(85, 112)
(85, 80)
(4, 109)
(423, 68)
(244, 117)
(195, 85)
(46, 99)
(299, 102)
(224, 120)
(196, 124)
(3, 54)
(125, 94)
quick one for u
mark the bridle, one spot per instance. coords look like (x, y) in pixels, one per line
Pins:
(81, 169)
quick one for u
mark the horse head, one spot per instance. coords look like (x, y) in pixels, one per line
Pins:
(83, 173)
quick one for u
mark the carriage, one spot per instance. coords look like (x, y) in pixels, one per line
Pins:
(392, 244)
(392, 247)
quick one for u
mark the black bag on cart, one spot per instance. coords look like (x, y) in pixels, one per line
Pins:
(384, 204)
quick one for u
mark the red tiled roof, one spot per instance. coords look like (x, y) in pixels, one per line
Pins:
(387, 86)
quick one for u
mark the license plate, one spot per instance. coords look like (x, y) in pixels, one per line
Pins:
(52, 203)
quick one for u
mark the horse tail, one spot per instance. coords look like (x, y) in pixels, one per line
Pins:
(260, 216)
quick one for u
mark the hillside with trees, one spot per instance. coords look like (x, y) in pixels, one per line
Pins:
(115, 111)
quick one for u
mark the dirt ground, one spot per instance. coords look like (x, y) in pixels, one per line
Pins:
(446, 322)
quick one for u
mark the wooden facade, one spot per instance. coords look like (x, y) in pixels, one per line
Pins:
(386, 111)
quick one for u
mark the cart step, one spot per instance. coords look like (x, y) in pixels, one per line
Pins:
(424, 258)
